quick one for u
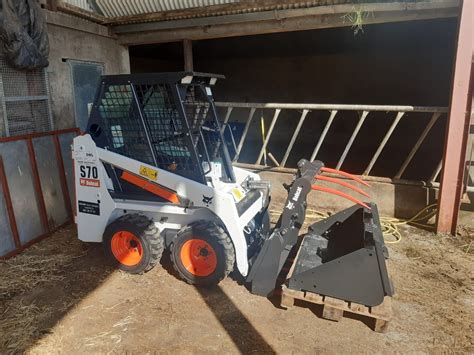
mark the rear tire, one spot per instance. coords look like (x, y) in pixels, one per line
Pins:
(202, 253)
(133, 243)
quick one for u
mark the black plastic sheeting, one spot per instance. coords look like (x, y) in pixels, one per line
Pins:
(23, 34)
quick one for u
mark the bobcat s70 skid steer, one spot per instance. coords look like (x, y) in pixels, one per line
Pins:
(153, 171)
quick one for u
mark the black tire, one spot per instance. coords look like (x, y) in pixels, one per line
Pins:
(221, 244)
(147, 240)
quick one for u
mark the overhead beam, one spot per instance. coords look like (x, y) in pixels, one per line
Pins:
(280, 21)
(457, 130)
(188, 55)
(79, 12)
(62, 20)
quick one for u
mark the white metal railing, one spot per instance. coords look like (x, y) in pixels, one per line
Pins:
(334, 109)
(469, 178)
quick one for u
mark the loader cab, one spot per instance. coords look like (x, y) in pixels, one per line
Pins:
(167, 120)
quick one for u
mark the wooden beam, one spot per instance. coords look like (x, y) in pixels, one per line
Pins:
(274, 22)
(61, 19)
(79, 12)
(188, 55)
(457, 130)
(53, 5)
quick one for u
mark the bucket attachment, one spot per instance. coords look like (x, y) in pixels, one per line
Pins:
(343, 257)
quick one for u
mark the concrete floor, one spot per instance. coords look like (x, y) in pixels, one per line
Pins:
(83, 306)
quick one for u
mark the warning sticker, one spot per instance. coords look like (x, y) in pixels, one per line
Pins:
(89, 182)
(89, 207)
(148, 172)
(237, 193)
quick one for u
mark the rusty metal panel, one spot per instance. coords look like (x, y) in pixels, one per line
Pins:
(50, 181)
(65, 141)
(7, 244)
(20, 180)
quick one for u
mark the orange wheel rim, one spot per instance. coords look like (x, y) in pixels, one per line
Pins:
(198, 257)
(126, 248)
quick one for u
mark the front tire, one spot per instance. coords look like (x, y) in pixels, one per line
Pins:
(203, 254)
(133, 243)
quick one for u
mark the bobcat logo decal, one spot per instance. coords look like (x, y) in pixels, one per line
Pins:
(207, 200)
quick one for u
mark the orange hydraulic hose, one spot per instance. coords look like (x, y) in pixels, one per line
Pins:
(342, 183)
(339, 193)
(343, 173)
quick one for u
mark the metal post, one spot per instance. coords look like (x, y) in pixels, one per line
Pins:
(226, 118)
(351, 140)
(293, 139)
(145, 126)
(458, 125)
(4, 109)
(469, 166)
(37, 185)
(267, 138)
(435, 174)
(323, 135)
(418, 143)
(223, 126)
(244, 133)
(48, 100)
(62, 176)
(9, 205)
(384, 142)
(188, 55)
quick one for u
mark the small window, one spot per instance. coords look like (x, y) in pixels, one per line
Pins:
(85, 77)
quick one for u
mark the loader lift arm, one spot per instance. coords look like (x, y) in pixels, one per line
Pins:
(275, 249)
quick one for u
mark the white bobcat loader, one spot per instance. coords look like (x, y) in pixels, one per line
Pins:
(153, 171)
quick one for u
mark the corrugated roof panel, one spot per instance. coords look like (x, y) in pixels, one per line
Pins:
(117, 8)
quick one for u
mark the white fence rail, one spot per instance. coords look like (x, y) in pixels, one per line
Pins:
(364, 111)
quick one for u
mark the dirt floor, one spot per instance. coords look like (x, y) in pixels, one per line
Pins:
(60, 296)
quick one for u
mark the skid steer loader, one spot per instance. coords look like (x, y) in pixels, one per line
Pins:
(153, 171)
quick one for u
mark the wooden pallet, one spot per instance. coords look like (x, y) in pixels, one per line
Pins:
(333, 308)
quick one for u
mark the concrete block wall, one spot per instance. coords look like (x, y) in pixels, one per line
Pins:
(77, 39)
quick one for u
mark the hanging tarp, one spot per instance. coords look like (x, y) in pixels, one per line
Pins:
(23, 34)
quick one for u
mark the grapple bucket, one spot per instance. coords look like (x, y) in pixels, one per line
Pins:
(343, 257)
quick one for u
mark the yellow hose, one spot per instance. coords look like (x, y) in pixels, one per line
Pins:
(262, 127)
(389, 224)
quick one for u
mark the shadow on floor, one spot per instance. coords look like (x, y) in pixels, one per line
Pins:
(31, 312)
(244, 335)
